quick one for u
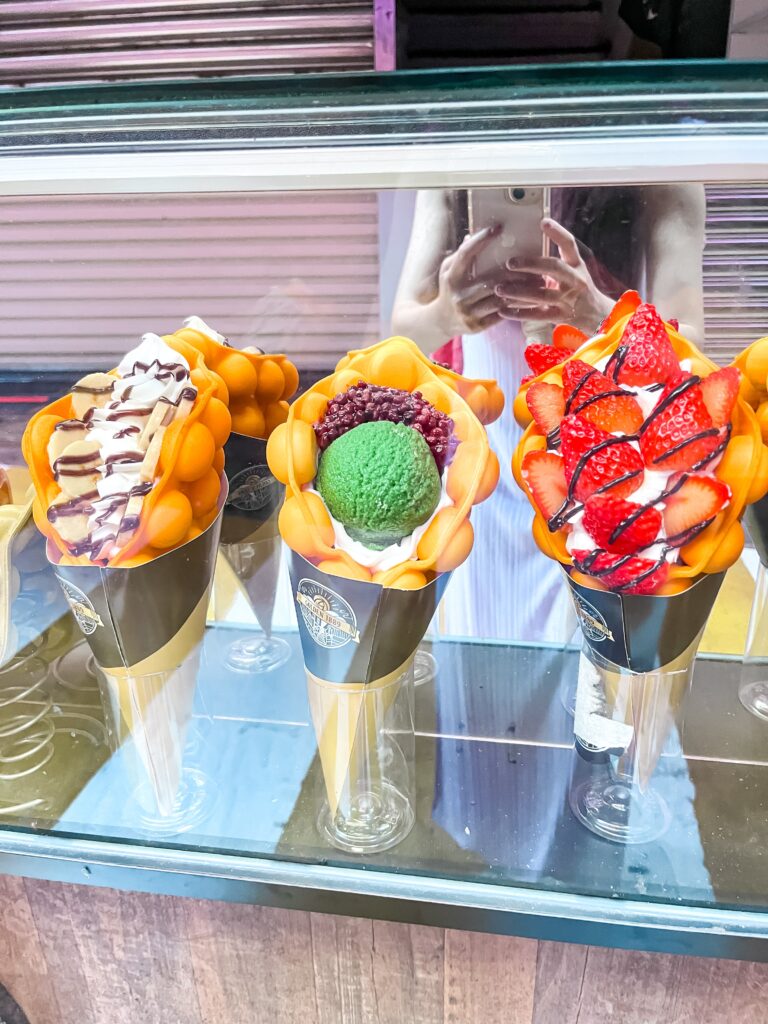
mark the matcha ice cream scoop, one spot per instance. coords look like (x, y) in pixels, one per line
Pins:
(380, 481)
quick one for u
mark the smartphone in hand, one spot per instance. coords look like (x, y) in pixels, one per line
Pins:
(519, 211)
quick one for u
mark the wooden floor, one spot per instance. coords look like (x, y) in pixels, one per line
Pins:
(97, 956)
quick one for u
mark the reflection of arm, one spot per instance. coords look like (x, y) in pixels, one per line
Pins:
(415, 313)
(675, 243)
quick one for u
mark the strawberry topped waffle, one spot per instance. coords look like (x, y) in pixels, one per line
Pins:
(638, 456)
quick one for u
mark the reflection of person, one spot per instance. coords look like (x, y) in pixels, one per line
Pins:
(608, 239)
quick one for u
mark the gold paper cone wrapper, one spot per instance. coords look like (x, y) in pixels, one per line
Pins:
(348, 718)
(153, 709)
(145, 626)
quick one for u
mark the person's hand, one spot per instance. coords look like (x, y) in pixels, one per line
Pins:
(552, 289)
(466, 304)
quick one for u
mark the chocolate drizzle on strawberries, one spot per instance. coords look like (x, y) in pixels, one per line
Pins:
(604, 444)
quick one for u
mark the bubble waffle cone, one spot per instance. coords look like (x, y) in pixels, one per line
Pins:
(183, 501)
(743, 466)
(484, 397)
(753, 363)
(471, 476)
(257, 385)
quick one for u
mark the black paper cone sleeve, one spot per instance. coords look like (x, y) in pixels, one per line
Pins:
(643, 632)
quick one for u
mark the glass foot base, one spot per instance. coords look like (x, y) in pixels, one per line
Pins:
(424, 668)
(376, 823)
(754, 697)
(76, 670)
(257, 653)
(193, 804)
(618, 811)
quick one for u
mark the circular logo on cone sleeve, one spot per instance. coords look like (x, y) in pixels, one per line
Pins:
(253, 489)
(592, 621)
(329, 619)
(87, 617)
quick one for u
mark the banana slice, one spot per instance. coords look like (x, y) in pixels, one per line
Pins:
(157, 419)
(63, 435)
(71, 528)
(77, 468)
(130, 520)
(182, 410)
(152, 457)
(93, 390)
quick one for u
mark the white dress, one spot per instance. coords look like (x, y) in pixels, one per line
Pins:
(507, 589)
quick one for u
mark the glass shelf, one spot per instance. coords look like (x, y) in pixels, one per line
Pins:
(494, 836)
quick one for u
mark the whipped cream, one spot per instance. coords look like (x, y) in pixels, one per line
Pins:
(196, 323)
(152, 387)
(393, 554)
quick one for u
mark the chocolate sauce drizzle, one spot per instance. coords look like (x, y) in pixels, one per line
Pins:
(571, 508)
(70, 425)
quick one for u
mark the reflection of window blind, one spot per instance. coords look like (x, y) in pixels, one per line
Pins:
(60, 40)
(735, 269)
(82, 278)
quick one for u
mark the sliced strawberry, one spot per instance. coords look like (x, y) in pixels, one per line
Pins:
(719, 391)
(541, 358)
(622, 573)
(693, 506)
(616, 412)
(565, 336)
(645, 355)
(547, 405)
(597, 460)
(545, 475)
(618, 526)
(626, 304)
(679, 434)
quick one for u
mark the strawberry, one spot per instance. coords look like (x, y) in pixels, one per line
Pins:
(645, 355)
(614, 466)
(544, 474)
(541, 358)
(719, 391)
(527, 379)
(616, 413)
(626, 304)
(547, 405)
(680, 435)
(693, 506)
(565, 336)
(622, 573)
(618, 526)
(674, 323)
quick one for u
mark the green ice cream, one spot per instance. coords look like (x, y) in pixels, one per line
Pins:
(380, 481)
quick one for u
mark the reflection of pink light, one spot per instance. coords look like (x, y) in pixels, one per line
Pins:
(22, 399)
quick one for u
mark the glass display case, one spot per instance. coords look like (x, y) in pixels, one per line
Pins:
(197, 750)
